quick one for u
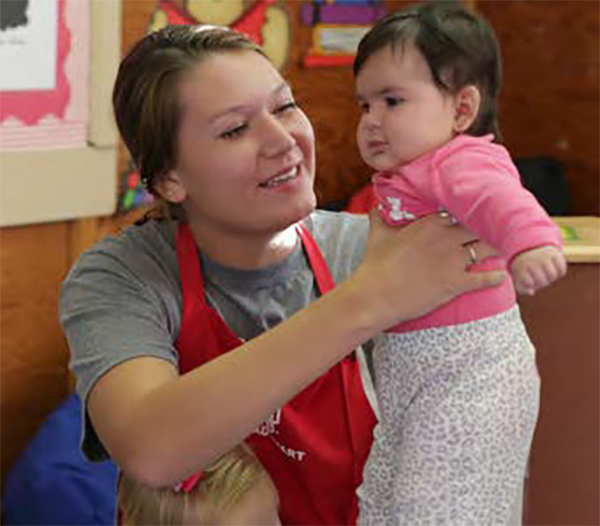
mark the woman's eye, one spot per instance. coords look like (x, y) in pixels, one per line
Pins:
(234, 132)
(287, 106)
(393, 101)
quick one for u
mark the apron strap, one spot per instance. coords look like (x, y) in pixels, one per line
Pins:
(190, 274)
(191, 277)
(201, 326)
(316, 260)
(355, 395)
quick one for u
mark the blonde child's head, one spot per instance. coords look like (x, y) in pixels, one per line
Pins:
(236, 489)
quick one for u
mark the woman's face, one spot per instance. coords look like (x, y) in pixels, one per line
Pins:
(245, 150)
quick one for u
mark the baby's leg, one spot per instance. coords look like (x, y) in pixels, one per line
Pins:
(464, 427)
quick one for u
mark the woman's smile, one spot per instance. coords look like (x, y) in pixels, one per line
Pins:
(281, 178)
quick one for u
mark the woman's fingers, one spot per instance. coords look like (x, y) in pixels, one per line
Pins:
(483, 279)
(413, 269)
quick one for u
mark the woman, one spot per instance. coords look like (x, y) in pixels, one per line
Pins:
(244, 266)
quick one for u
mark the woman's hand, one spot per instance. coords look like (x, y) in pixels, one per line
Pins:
(409, 271)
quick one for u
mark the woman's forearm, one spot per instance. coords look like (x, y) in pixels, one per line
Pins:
(174, 426)
(186, 423)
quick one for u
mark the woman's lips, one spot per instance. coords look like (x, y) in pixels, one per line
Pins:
(281, 178)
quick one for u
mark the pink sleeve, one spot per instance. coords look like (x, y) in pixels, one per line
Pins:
(481, 187)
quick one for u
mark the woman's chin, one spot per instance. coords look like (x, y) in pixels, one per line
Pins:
(300, 211)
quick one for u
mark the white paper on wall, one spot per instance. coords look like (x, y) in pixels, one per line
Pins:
(28, 44)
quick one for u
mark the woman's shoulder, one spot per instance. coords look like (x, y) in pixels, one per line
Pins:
(129, 276)
(137, 267)
(342, 238)
(138, 250)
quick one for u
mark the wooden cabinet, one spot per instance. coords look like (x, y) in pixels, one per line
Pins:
(564, 323)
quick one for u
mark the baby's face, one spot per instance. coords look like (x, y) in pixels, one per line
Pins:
(404, 113)
(258, 507)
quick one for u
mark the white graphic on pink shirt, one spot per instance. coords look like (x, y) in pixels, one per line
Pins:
(396, 213)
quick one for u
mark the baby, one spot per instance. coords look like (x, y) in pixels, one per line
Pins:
(458, 388)
(235, 490)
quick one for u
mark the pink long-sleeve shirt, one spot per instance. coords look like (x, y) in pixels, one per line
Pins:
(476, 181)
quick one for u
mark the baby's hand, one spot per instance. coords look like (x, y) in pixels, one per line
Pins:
(535, 269)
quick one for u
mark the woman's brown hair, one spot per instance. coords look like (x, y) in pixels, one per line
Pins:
(145, 101)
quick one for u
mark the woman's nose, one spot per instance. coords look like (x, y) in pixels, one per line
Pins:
(277, 138)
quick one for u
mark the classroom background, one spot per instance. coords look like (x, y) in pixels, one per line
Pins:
(65, 182)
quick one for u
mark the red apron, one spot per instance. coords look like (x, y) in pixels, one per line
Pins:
(316, 445)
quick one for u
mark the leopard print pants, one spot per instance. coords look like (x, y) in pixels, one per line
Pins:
(458, 409)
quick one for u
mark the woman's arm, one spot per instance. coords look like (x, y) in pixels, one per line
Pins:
(160, 427)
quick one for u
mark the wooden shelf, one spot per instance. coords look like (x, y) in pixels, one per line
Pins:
(586, 248)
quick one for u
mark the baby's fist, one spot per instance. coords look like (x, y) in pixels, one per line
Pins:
(537, 268)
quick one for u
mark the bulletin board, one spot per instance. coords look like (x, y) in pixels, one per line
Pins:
(58, 144)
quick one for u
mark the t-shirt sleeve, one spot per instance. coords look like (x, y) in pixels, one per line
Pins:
(342, 238)
(110, 314)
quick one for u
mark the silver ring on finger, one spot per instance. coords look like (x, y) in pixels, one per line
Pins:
(472, 253)
(447, 215)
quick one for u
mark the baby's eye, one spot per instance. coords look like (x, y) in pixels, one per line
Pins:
(393, 101)
(364, 107)
(291, 105)
(234, 133)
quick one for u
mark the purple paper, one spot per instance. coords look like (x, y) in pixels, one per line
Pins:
(342, 13)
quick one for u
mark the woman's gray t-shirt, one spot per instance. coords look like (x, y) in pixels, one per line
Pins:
(123, 298)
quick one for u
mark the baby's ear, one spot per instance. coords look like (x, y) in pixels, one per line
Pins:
(466, 107)
(171, 187)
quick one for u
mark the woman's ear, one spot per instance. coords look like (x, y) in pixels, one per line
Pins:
(466, 107)
(171, 187)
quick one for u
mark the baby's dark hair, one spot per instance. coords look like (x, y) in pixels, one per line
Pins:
(459, 46)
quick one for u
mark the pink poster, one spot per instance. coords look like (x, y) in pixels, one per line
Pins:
(44, 50)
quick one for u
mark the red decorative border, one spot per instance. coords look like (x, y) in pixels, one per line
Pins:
(30, 106)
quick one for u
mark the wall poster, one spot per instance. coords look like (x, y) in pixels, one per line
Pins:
(44, 51)
(58, 145)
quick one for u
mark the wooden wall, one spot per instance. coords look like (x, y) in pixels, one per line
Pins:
(33, 351)
(549, 103)
(549, 106)
(33, 261)
(564, 483)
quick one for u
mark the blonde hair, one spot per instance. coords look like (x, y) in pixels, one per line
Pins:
(222, 485)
